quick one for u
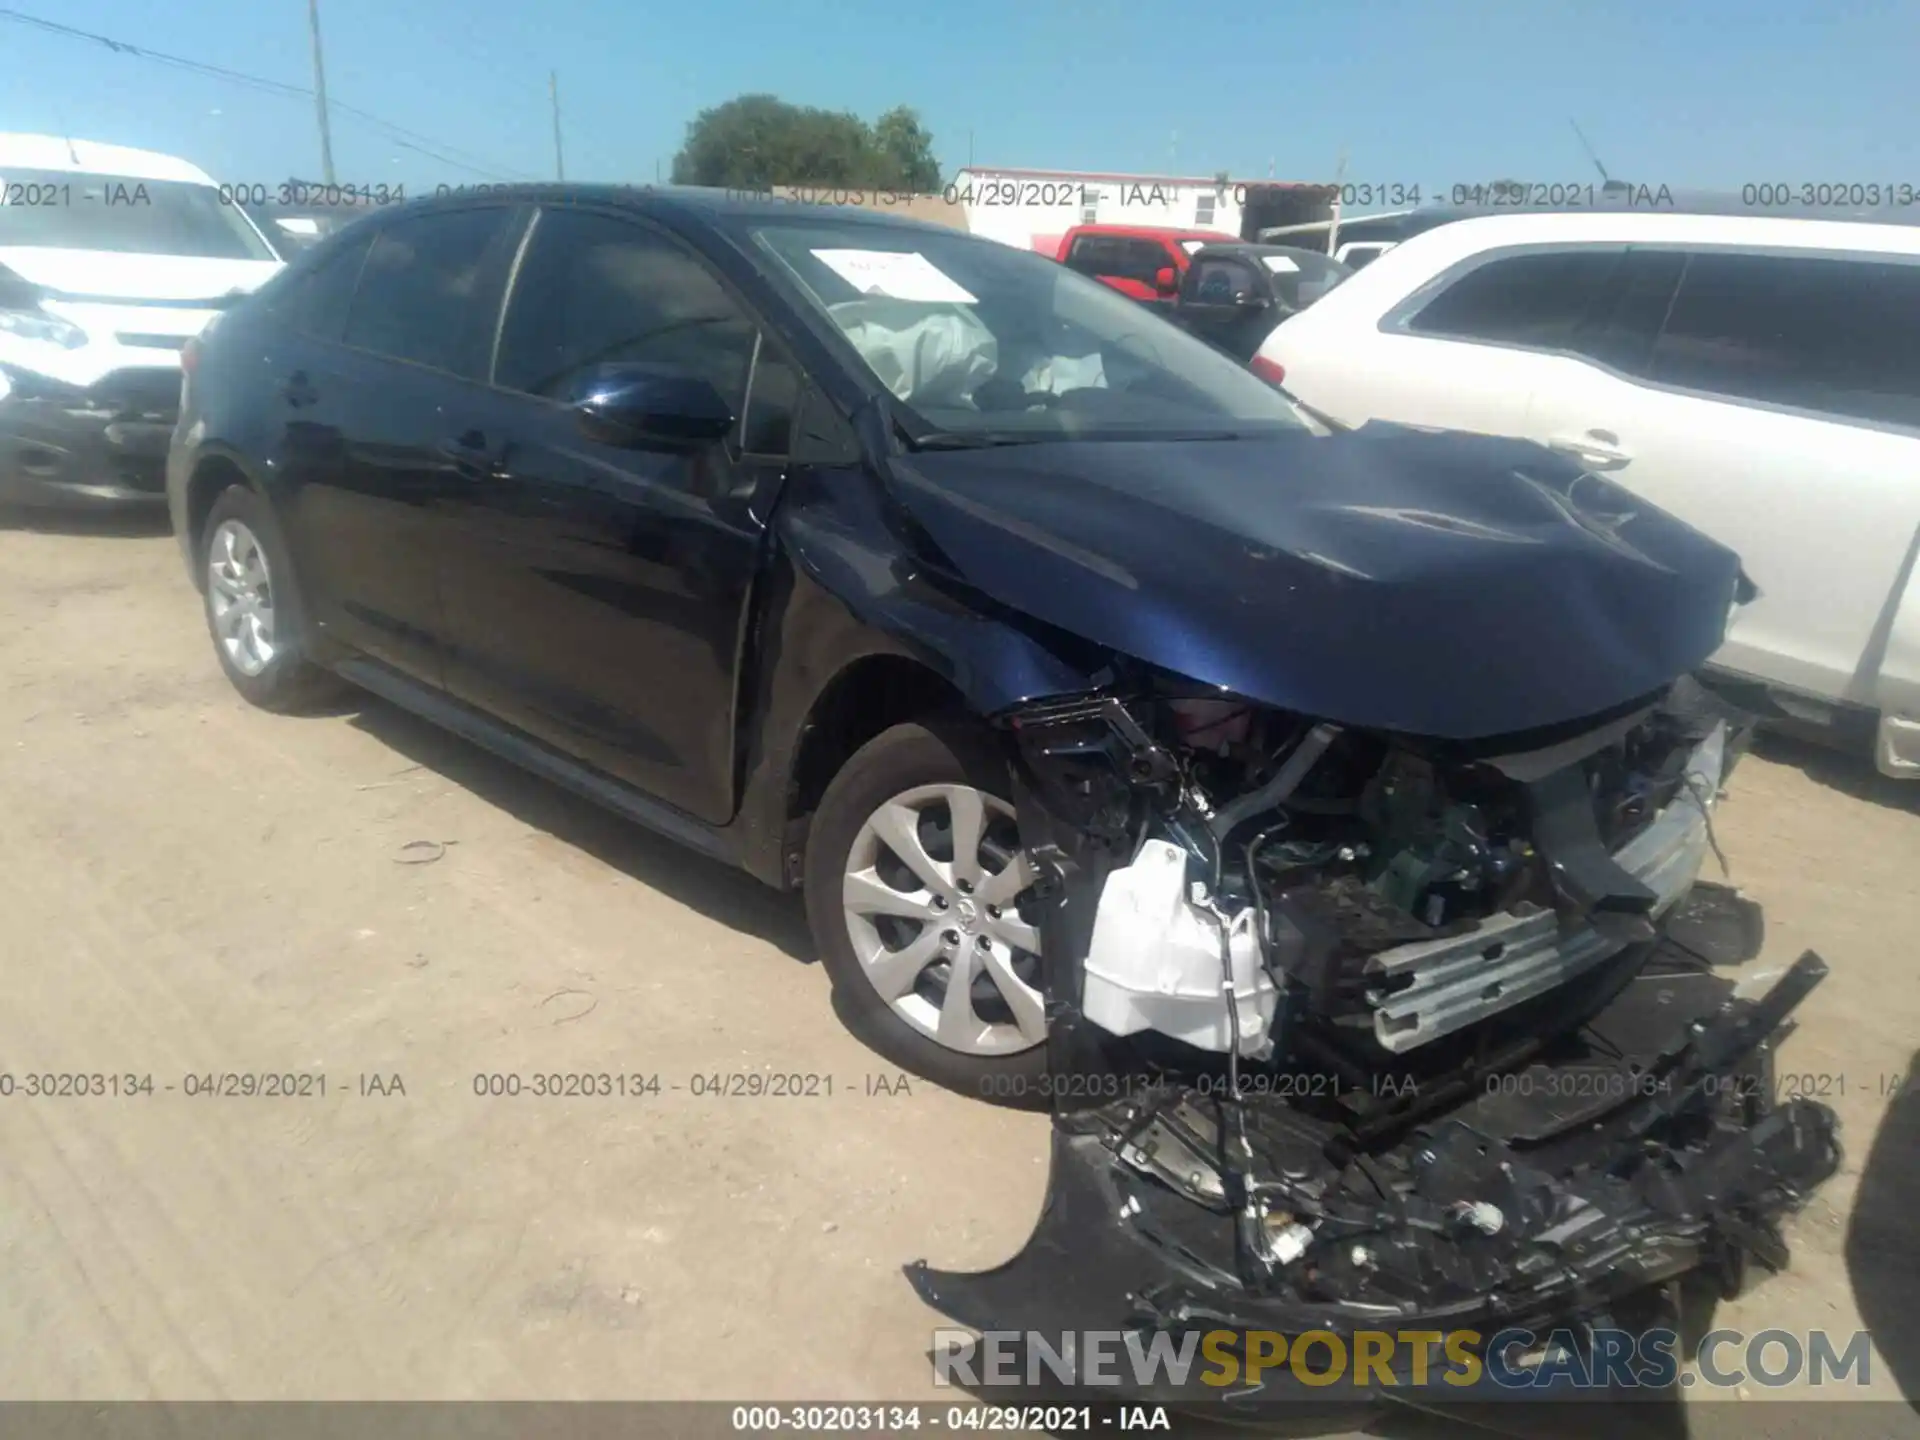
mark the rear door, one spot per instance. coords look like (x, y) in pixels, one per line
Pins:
(1778, 411)
(599, 595)
(369, 418)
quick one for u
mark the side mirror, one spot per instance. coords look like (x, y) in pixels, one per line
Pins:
(1166, 281)
(640, 407)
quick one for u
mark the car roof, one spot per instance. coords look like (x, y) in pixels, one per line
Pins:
(710, 204)
(1254, 247)
(1488, 232)
(92, 157)
(1153, 232)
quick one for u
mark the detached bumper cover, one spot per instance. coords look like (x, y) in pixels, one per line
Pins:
(1647, 1148)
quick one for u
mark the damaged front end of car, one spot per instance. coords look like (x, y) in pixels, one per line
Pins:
(1351, 1030)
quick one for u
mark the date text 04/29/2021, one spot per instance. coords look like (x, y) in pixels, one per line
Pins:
(50, 1084)
(868, 1419)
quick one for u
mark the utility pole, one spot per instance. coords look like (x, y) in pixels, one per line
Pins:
(553, 89)
(320, 93)
(1333, 223)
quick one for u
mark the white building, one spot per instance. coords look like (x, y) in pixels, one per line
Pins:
(1033, 209)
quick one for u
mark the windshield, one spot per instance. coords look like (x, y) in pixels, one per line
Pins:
(69, 210)
(985, 342)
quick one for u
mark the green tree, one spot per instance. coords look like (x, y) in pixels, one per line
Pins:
(906, 147)
(755, 141)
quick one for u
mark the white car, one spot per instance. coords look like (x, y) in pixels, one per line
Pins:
(110, 261)
(1757, 377)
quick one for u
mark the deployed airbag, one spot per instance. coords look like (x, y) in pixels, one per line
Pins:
(925, 354)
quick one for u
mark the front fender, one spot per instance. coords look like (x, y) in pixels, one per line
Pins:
(845, 584)
(842, 532)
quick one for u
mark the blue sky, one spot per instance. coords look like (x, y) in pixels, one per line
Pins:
(1677, 92)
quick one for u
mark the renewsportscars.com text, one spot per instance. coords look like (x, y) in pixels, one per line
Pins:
(1511, 1359)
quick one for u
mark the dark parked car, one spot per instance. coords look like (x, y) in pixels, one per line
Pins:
(1232, 295)
(1116, 719)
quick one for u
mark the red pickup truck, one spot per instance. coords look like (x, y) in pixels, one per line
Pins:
(1140, 261)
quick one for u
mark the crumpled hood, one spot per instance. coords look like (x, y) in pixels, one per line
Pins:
(1454, 586)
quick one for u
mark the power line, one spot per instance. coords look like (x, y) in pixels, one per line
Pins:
(404, 138)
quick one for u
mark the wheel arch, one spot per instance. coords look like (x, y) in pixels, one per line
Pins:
(866, 697)
(830, 674)
(214, 472)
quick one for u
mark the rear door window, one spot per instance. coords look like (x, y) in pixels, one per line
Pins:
(317, 301)
(422, 291)
(1836, 335)
(1537, 300)
(1620, 334)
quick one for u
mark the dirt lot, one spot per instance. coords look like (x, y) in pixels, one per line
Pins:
(191, 887)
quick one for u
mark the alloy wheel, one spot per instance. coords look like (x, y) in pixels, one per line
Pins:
(240, 597)
(934, 885)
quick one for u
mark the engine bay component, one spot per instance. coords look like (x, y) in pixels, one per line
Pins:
(1384, 892)
(1482, 1064)
(1435, 987)
(1156, 960)
(1285, 781)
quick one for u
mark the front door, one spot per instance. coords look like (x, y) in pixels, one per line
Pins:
(597, 595)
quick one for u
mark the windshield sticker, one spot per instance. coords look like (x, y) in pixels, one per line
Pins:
(1280, 264)
(897, 276)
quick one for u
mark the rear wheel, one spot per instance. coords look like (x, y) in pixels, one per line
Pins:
(919, 898)
(253, 608)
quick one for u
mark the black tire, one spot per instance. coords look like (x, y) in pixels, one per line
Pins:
(290, 683)
(932, 752)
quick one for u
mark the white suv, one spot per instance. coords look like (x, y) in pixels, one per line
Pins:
(111, 259)
(1757, 377)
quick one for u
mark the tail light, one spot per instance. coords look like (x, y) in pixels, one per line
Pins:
(1271, 371)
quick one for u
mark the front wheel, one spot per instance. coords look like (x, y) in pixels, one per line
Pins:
(920, 901)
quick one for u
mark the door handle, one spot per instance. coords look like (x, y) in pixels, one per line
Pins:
(298, 390)
(1600, 449)
(471, 456)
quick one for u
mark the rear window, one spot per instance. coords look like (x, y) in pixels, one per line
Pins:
(69, 210)
(1118, 256)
